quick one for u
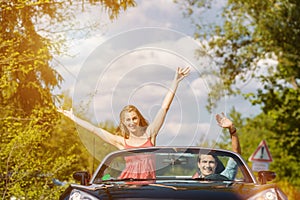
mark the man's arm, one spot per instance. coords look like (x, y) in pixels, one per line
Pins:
(230, 169)
(224, 122)
(235, 142)
(231, 166)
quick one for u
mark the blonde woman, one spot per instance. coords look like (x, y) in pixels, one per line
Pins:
(135, 131)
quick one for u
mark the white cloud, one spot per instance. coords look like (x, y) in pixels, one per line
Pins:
(200, 88)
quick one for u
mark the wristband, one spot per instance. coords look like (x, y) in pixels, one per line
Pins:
(232, 131)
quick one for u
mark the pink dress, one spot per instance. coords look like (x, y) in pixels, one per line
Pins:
(139, 166)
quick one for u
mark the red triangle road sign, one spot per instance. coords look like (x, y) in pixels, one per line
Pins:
(262, 153)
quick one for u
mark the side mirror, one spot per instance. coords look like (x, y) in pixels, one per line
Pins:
(265, 176)
(82, 176)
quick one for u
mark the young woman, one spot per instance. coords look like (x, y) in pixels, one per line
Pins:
(136, 132)
(134, 128)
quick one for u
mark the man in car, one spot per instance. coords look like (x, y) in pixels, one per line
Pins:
(209, 164)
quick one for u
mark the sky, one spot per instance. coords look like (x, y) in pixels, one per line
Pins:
(133, 60)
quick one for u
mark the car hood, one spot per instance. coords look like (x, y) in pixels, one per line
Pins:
(172, 190)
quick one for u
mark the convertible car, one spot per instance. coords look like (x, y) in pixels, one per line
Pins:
(172, 173)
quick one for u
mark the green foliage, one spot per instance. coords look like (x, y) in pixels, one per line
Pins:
(26, 78)
(25, 164)
(283, 151)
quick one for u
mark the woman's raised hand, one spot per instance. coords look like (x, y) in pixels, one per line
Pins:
(181, 73)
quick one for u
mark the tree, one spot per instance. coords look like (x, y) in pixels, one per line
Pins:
(247, 33)
(28, 115)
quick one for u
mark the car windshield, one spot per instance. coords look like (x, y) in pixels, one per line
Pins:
(172, 164)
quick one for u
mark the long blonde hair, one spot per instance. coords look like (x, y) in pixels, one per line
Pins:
(122, 130)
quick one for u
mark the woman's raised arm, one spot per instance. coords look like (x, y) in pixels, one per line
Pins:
(158, 121)
(108, 137)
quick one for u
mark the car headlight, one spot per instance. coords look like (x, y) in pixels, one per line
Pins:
(269, 194)
(80, 195)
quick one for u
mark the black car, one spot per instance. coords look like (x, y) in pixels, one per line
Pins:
(175, 175)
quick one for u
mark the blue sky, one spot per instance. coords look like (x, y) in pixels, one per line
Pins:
(132, 60)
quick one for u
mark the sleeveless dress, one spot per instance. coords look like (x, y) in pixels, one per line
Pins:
(139, 166)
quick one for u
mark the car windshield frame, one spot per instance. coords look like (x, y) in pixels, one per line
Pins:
(247, 173)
